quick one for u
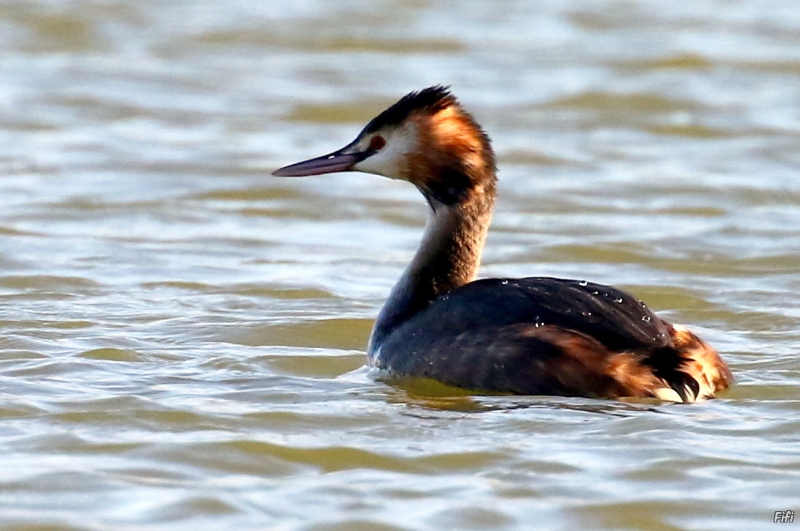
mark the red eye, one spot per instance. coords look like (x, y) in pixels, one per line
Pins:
(377, 143)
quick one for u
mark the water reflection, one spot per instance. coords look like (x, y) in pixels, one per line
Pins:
(425, 394)
(181, 336)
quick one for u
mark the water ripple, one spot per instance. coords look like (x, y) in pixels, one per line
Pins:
(182, 336)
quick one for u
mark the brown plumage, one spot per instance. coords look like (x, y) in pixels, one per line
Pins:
(524, 336)
(702, 362)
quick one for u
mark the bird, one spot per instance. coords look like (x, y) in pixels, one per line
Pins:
(517, 336)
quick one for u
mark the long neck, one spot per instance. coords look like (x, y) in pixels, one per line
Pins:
(448, 257)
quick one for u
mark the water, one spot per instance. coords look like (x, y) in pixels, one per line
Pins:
(182, 336)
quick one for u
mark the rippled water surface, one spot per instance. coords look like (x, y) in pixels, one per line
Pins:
(182, 335)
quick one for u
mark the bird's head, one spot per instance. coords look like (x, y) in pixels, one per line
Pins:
(427, 139)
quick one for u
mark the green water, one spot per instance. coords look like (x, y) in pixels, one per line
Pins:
(182, 335)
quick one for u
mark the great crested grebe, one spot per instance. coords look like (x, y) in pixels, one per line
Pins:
(533, 336)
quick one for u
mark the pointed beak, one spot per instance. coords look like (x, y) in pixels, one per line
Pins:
(337, 161)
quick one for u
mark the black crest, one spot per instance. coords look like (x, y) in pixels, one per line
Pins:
(429, 100)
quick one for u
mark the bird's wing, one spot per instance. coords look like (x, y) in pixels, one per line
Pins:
(533, 336)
